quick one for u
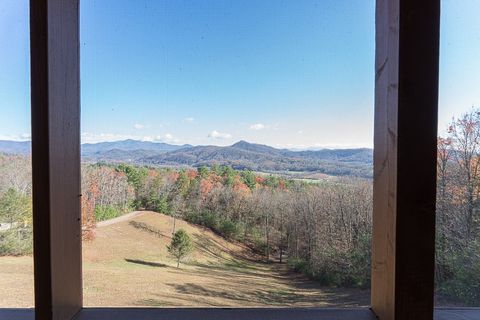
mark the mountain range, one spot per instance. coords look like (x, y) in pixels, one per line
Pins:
(241, 155)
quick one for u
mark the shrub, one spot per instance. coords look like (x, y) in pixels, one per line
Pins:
(16, 242)
(229, 229)
(226, 227)
(15, 207)
(359, 260)
(16, 210)
(158, 204)
(241, 232)
(342, 269)
(103, 213)
(258, 240)
(299, 265)
(204, 218)
(193, 217)
(210, 220)
(463, 285)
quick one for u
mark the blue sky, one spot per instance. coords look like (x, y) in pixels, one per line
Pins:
(285, 73)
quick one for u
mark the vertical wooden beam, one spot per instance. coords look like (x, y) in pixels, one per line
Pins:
(406, 98)
(55, 98)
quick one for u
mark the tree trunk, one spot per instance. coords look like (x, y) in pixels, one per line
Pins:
(267, 253)
(174, 222)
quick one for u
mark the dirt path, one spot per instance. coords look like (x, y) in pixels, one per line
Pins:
(125, 217)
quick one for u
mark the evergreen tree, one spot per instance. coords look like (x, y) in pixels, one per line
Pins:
(181, 245)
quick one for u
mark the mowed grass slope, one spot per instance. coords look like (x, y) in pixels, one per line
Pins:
(128, 265)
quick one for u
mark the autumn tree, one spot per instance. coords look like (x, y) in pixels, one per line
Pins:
(444, 208)
(464, 134)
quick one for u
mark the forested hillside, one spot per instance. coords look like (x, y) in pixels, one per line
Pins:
(244, 155)
(241, 155)
(276, 217)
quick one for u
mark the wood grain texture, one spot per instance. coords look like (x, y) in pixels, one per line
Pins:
(385, 158)
(55, 87)
(406, 99)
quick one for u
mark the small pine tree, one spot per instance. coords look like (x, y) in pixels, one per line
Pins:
(181, 245)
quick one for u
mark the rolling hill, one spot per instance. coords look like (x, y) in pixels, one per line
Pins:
(244, 155)
(128, 264)
(90, 149)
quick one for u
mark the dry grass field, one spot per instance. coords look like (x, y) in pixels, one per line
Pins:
(128, 265)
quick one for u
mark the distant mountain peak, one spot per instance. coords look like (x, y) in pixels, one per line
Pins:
(247, 145)
(242, 143)
(255, 147)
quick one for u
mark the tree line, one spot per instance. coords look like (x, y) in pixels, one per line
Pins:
(458, 216)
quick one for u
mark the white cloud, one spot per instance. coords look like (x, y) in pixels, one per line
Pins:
(189, 119)
(168, 138)
(147, 138)
(88, 137)
(16, 137)
(139, 126)
(257, 126)
(219, 135)
(300, 132)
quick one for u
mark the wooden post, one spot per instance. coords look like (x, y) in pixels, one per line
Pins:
(406, 96)
(55, 98)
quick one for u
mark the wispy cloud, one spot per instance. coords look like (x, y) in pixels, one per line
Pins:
(139, 126)
(16, 137)
(167, 137)
(317, 146)
(257, 126)
(189, 119)
(88, 137)
(219, 135)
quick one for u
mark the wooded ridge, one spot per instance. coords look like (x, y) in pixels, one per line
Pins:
(241, 155)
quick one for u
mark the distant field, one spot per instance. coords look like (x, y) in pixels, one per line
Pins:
(129, 266)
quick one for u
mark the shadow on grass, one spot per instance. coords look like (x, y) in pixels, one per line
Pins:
(286, 288)
(261, 294)
(214, 248)
(146, 263)
(246, 270)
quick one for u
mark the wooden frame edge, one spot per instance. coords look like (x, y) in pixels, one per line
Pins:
(406, 107)
(55, 104)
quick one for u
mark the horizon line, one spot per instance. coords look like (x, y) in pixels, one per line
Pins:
(288, 147)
